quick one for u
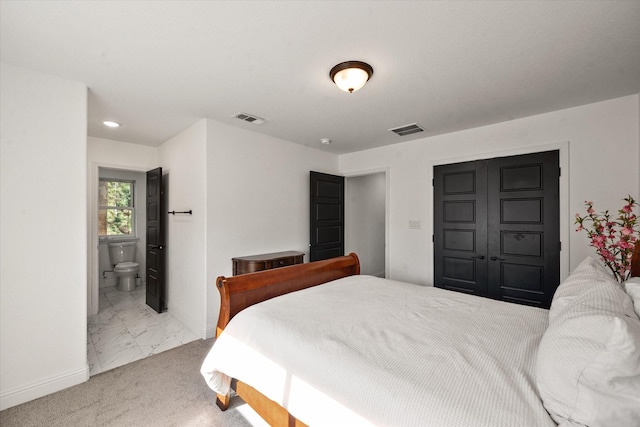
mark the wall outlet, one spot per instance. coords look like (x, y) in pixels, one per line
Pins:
(414, 224)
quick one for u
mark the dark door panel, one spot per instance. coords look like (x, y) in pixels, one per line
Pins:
(524, 227)
(459, 215)
(326, 216)
(155, 241)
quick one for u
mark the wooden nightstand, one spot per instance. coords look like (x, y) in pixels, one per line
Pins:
(252, 263)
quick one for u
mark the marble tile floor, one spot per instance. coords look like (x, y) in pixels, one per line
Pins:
(126, 329)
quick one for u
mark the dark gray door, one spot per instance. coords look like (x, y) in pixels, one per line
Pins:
(460, 227)
(326, 216)
(155, 242)
(524, 228)
(496, 227)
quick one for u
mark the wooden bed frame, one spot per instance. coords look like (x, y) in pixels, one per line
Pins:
(239, 292)
(635, 261)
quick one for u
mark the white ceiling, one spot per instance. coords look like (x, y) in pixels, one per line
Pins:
(157, 67)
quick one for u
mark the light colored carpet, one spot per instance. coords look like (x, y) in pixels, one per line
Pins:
(165, 389)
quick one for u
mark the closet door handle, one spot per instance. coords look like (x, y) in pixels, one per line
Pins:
(478, 257)
(495, 258)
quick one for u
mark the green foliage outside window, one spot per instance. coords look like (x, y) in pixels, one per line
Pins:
(116, 211)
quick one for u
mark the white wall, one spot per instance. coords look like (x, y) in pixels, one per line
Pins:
(183, 160)
(365, 209)
(604, 145)
(257, 197)
(43, 216)
(116, 155)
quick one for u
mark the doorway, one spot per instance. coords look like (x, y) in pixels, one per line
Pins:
(351, 214)
(365, 221)
(98, 256)
(121, 327)
(134, 230)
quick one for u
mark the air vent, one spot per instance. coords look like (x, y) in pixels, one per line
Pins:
(249, 118)
(407, 129)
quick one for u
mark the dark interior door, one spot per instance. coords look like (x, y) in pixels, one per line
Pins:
(524, 228)
(497, 229)
(460, 227)
(155, 241)
(327, 216)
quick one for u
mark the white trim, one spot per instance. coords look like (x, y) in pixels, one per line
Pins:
(565, 215)
(93, 282)
(44, 387)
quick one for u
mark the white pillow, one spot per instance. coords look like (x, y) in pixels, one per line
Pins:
(632, 286)
(587, 274)
(588, 362)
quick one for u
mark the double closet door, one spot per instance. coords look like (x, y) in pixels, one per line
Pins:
(497, 229)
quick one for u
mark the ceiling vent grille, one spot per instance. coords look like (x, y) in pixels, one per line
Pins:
(249, 118)
(407, 129)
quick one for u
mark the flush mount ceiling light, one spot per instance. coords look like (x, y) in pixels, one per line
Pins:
(351, 75)
(110, 124)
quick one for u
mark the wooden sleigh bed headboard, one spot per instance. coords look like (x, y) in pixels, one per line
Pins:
(635, 261)
(240, 292)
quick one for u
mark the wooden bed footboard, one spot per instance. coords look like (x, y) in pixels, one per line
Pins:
(240, 292)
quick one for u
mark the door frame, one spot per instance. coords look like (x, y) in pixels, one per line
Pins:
(386, 171)
(565, 215)
(93, 281)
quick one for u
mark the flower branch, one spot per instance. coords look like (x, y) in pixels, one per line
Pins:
(613, 236)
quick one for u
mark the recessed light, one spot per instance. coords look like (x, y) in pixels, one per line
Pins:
(109, 123)
(325, 141)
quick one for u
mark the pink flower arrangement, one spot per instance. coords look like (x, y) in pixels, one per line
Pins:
(613, 238)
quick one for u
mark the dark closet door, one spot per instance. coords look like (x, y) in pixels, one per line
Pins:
(496, 227)
(460, 226)
(524, 228)
(326, 216)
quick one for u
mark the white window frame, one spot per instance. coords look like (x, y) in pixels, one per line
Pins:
(132, 208)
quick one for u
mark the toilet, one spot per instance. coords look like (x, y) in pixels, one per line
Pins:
(122, 256)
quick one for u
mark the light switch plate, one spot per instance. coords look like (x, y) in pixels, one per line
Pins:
(414, 224)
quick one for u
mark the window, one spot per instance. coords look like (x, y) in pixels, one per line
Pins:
(116, 211)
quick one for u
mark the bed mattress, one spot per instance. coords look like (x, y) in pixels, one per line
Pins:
(368, 351)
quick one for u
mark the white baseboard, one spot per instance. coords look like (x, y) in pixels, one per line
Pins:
(210, 331)
(44, 387)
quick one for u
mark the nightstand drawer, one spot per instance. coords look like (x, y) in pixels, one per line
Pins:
(283, 262)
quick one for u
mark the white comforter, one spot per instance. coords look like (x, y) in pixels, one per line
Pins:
(368, 351)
